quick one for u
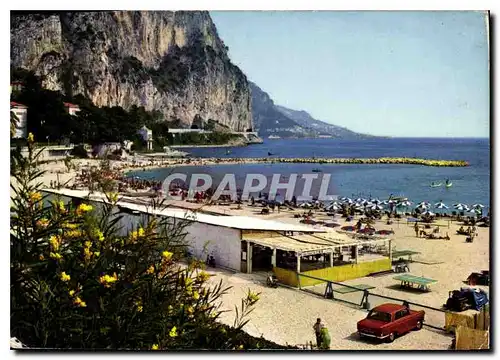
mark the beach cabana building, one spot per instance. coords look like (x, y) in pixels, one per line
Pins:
(248, 244)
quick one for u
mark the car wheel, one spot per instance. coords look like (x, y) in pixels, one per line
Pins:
(419, 325)
(391, 337)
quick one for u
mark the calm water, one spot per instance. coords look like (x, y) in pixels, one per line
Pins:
(470, 184)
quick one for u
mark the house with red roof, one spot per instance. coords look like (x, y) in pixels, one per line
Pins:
(72, 109)
(21, 112)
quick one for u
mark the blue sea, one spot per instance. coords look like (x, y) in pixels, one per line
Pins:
(470, 184)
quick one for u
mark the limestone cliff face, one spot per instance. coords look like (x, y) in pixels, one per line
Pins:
(173, 62)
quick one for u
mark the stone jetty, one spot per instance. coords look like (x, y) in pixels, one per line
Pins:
(385, 160)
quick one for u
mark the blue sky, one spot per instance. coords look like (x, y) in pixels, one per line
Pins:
(409, 74)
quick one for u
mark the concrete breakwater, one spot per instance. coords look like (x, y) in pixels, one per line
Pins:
(387, 160)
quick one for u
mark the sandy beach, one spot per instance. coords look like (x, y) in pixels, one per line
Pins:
(448, 262)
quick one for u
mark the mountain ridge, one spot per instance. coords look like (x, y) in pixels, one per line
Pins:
(279, 121)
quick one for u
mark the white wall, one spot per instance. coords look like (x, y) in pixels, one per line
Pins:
(21, 126)
(224, 244)
(73, 110)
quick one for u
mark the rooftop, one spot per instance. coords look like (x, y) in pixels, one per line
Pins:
(235, 222)
(16, 104)
(311, 244)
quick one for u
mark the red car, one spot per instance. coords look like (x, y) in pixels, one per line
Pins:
(390, 320)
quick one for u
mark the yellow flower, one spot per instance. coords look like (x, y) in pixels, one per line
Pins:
(41, 257)
(167, 255)
(74, 233)
(97, 253)
(71, 292)
(170, 308)
(83, 208)
(240, 347)
(140, 232)
(188, 281)
(99, 234)
(252, 297)
(113, 197)
(65, 277)
(202, 276)
(55, 255)
(154, 347)
(70, 226)
(87, 244)
(55, 242)
(106, 280)
(87, 253)
(139, 308)
(173, 332)
(61, 205)
(196, 296)
(31, 138)
(151, 270)
(79, 302)
(43, 223)
(190, 309)
(35, 197)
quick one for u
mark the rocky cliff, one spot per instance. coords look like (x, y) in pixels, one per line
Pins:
(173, 62)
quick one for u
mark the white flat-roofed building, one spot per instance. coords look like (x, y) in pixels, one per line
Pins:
(21, 112)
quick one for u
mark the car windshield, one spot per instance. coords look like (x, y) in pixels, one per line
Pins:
(381, 316)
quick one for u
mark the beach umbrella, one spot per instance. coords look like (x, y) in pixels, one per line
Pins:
(305, 205)
(428, 213)
(385, 202)
(333, 207)
(422, 206)
(440, 205)
(424, 203)
(477, 206)
(456, 206)
(359, 200)
(375, 201)
(347, 201)
(376, 207)
(333, 203)
(405, 203)
(462, 207)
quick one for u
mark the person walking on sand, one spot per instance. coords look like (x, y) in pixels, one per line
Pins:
(317, 331)
(416, 229)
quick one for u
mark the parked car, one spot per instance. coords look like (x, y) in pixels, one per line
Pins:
(390, 320)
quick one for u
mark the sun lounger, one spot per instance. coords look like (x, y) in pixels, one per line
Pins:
(411, 281)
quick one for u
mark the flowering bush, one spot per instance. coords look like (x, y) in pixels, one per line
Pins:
(75, 283)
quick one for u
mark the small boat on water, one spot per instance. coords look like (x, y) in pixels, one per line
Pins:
(317, 170)
(436, 185)
(448, 183)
